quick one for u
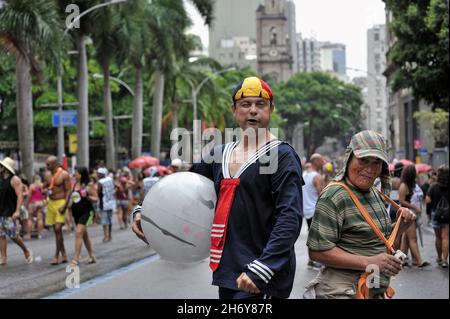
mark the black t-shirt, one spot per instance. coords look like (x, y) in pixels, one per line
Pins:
(8, 198)
(435, 192)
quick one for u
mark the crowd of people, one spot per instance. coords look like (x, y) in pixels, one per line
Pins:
(61, 202)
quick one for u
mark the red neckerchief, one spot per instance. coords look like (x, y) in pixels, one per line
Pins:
(227, 192)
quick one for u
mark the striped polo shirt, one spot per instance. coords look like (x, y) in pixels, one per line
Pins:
(338, 223)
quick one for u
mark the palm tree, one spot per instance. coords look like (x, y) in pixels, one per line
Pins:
(167, 21)
(81, 36)
(28, 29)
(105, 36)
(188, 75)
(168, 41)
(153, 36)
(133, 37)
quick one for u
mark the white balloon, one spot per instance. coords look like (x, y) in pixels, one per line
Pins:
(177, 215)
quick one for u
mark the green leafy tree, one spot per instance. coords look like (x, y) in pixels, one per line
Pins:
(169, 41)
(107, 23)
(8, 119)
(133, 36)
(420, 55)
(80, 36)
(326, 105)
(30, 30)
(439, 120)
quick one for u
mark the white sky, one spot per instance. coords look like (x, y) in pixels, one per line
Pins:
(343, 21)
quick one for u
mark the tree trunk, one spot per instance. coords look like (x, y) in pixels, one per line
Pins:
(83, 108)
(174, 112)
(138, 115)
(158, 98)
(25, 117)
(107, 100)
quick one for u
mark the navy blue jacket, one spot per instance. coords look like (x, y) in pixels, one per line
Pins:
(264, 223)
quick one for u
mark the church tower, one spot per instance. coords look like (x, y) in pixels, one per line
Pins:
(273, 40)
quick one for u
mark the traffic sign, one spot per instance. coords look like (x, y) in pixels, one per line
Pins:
(69, 118)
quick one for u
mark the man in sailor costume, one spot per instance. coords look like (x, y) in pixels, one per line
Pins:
(258, 215)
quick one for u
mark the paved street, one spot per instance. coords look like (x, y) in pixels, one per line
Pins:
(153, 278)
(40, 279)
(127, 268)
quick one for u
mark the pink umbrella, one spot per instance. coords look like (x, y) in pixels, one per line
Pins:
(422, 168)
(404, 161)
(143, 161)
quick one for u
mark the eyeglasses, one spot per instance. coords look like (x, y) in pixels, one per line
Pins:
(366, 161)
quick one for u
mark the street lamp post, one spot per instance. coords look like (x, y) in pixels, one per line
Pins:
(69, 27)
(117, 118)
(60, 115)
(195, 91)
(98, 75)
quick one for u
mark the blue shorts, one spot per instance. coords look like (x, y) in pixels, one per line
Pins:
(106, 217)
(435, 224)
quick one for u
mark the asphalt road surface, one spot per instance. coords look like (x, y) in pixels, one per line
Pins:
(153, 278)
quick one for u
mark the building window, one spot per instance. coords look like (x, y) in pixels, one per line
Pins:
(376, 37)
(273, 36)
(227, 43)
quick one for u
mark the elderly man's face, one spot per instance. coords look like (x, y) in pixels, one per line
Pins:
(362, 172)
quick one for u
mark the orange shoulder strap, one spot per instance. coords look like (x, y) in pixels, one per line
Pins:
(362, 291)
(369, 220)
(391, 239)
